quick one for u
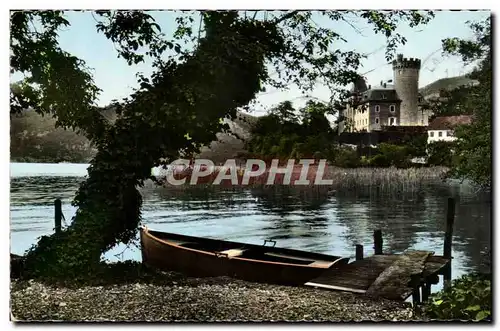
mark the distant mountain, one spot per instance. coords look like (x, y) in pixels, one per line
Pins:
(34, 138)
(448, 84)
(228, 145)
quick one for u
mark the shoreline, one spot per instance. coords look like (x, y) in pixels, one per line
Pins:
(178, 298)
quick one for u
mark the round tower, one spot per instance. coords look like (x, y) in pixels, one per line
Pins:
(406, 72)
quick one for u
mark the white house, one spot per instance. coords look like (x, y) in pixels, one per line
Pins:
(442, 128)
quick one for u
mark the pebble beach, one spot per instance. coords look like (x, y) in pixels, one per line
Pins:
(182, 299)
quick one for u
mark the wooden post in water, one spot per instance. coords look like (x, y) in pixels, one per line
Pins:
(378, 242)
(359, 252)
(426, 291)
(415, 284)
(448, 238)
(58, 215)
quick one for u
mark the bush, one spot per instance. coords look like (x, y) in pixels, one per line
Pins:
(397, 156)
(440, 153)
(416, 144)
(346, 158)
(364, 161)
(468, 298)
(389, 155)
(380, 160)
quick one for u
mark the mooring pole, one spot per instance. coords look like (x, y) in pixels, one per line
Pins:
(58, 215)
(426, 291)
(415, 284)
(448, 239)
(378, 242)
(359, 252)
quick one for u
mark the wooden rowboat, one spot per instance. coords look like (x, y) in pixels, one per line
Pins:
(201, 257)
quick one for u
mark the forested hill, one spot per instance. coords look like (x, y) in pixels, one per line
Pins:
(448, 84)
(34, 138)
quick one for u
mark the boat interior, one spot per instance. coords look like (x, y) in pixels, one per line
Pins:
(253, 252)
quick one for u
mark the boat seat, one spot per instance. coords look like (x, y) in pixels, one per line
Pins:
(322, 264)
(233, 252)
(328, 264)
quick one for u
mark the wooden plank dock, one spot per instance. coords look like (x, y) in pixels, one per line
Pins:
(392, 276)
(358, 276)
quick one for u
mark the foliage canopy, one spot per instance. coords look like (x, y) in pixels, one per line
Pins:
(473, 145)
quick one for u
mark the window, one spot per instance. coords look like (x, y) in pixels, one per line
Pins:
(377, 108)
(392, 108)
(377, 120)
(440, 134)
(392, 121)
(450, 133)
(431, 134)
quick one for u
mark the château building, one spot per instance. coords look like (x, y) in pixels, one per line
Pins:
(397, 104)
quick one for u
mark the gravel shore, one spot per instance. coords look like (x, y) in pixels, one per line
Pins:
(182, 299)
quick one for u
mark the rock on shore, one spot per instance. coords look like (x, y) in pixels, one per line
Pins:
(200, 300)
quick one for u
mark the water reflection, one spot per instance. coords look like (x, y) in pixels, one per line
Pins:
(296, 216)
(39, 191)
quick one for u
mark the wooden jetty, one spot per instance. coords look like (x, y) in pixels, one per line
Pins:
(392, 276)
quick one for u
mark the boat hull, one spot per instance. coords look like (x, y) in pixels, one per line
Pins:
(168, 256)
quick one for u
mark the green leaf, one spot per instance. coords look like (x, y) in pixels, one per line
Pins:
(473, 308)
(481, 315)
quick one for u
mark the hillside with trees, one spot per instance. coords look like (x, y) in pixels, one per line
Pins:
(35, 138)
(445, 84)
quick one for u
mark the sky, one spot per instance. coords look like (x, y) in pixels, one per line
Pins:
(116, 78)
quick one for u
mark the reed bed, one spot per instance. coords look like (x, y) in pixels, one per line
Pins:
(385, 179)
(381, 179)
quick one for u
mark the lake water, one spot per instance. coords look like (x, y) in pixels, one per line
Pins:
(324, 222)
